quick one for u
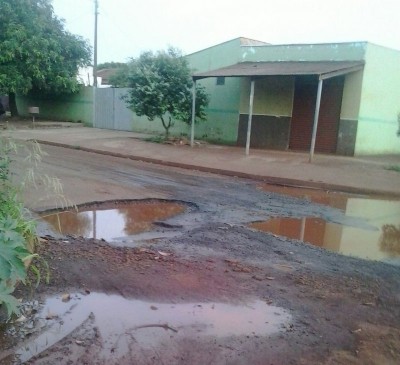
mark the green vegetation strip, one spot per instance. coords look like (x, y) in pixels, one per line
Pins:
(18, 237)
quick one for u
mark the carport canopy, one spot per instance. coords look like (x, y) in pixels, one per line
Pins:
(322, 69)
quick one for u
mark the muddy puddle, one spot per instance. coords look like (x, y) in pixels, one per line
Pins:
(113, 221)
(122, 323)
(381, 242)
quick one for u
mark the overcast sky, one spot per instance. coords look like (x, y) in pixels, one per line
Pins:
(129, 27)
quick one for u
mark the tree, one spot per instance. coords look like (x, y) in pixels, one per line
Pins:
(162, 88)
(106, 65)
(120, 77)
(36, 52)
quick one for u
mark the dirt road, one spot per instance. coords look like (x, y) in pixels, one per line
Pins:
(256, 298)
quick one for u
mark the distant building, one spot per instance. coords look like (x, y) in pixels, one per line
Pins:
(85, 76)
(360, 99)
(105, 74)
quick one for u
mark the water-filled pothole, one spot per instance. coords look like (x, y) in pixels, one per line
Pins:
(381, 243)
(122, 323)
(113, 220)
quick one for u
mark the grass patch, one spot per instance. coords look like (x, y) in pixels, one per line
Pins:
(155, 139)
(393, 168)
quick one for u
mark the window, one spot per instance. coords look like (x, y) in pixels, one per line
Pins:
(221, 80)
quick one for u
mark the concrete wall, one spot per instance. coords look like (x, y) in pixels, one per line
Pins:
(217, 56)
(354, 51)
(143, 125)
(348, 124)
(223, 111)
(272, 111)
(68, 107)
(380, 103)
(273, 95)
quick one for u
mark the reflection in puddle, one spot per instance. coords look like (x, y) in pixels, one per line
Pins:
(383, 243)
(123, 220)
(331, 198)
(119, 320)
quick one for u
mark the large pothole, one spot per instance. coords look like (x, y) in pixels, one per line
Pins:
(119, 221)
(370, 229)
(123, 325)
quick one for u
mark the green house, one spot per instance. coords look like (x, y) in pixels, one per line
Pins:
(348, 94)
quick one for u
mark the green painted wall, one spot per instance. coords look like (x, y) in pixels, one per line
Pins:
(273, 95)
(305, 52)
(69, 107)
(351, 96)
(380, 103)
(142, 124)
(347, 129)
(221, 55)
(223, 110)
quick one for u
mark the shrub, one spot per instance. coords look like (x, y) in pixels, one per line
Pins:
(17, 232)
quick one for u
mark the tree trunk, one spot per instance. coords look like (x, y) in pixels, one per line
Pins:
(13, 104)
(166, 126)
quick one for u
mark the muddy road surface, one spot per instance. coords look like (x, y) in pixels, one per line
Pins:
(200, 285)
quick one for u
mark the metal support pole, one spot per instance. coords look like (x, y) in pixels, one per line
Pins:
(316, 116)
(193, 114)
(250, 117)
(96, 13)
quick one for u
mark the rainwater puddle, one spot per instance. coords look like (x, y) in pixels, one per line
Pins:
(121, 322)
(381, 244)
(113, 221)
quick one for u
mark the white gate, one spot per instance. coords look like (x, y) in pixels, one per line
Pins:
(111, 111)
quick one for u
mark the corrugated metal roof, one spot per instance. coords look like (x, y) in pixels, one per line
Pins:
(281, 68)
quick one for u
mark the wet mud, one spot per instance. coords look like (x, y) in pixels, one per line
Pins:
(322, 307)
(284, 310)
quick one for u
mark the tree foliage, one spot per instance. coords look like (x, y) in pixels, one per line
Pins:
(162, 88)
(113, 65)
(36, 52)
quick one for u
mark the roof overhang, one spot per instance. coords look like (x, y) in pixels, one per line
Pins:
(324, 70)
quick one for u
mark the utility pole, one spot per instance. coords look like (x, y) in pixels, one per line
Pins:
(96, 13)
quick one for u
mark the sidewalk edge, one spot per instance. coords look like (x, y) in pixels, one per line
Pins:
(267, 179)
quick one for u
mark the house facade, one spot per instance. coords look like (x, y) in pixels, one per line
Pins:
(359, 103)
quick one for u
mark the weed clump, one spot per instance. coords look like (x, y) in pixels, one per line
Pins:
(18, 237)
